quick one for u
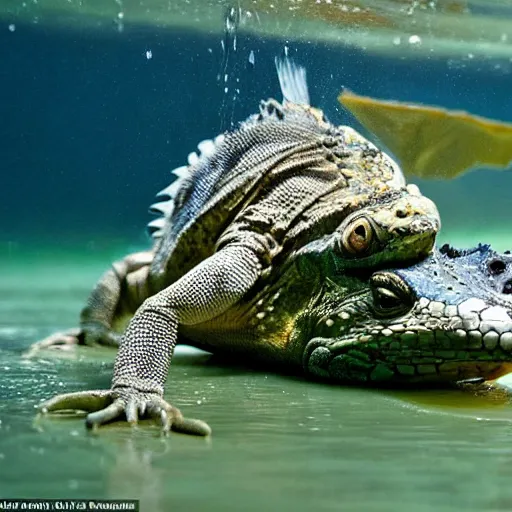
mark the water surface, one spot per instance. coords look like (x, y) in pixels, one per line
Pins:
(279, 442)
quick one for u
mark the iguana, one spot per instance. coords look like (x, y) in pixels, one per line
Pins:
(252, 233)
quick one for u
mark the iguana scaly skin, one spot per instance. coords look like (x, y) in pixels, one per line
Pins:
(251, 233)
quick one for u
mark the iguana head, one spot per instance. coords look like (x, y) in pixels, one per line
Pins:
(398, 229)
(384, 220)
(446, 319)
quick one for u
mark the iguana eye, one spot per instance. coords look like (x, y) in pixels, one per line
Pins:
(357, 237)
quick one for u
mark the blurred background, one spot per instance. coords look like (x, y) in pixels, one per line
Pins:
(101, 99)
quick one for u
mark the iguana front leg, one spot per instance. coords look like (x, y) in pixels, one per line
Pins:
(119, 292)
(145, 354)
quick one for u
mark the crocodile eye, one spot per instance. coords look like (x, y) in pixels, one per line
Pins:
(385, 299)
(497, 267)
(507, 289)
(391, 295)
(357, 237)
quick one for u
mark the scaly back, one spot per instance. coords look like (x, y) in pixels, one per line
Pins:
(237, 168)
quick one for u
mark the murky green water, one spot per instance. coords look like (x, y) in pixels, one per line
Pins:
(279, 443)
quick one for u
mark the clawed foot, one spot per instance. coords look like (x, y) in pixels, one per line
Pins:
(91, 335)
(105, 406)
(64, 340)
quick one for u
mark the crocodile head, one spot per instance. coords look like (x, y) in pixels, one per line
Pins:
(446, 319)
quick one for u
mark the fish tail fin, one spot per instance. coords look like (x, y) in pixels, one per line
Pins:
(292, 79)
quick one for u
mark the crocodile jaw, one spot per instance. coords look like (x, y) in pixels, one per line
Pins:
(434, 343)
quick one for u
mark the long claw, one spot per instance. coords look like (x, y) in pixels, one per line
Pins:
(88, 401)
(191, 426)
(142, 408)
(158, 413)
(166, 421)
(131, 412)
(105, 415)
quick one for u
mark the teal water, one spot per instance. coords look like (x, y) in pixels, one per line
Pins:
(278, 443)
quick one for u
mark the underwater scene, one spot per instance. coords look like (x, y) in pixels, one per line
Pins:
(344, 330)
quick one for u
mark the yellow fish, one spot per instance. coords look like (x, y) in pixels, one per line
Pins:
(431, 142)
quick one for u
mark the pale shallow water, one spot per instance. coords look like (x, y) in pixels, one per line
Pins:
(279, 443)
